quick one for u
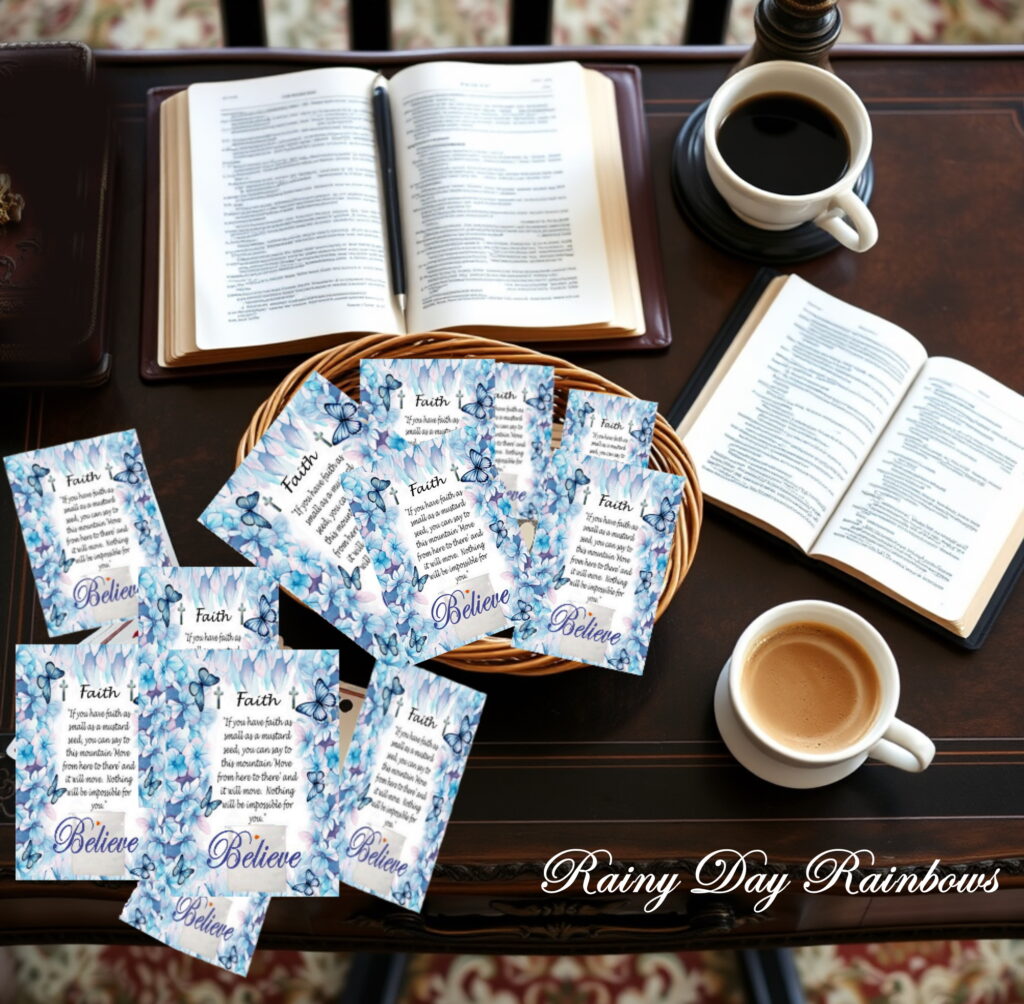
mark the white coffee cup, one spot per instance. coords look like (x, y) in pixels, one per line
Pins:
(770, 210)
(887, 739)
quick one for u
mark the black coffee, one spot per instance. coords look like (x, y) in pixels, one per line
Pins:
(784, 143)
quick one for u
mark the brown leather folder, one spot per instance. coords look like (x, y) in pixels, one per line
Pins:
(636, 158)
(56, 151)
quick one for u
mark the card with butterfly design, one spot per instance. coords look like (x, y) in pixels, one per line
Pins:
(79, 812)
(438, 527)
(284, 511)
(400, 779)
(608, 426)
(420, 399)
(207, 607)
(221, 930)
(599, 559)
(90, 520)
(523, 402)
(238, 754)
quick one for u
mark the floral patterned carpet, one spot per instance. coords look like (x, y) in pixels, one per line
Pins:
(136, 24)
(939, 972)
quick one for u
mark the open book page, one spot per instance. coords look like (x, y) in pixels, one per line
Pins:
(287, 210)
(789, 424)
(499, 197)
(934, 515)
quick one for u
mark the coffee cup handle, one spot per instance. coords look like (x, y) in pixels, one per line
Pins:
(905, 747)
(863, 233)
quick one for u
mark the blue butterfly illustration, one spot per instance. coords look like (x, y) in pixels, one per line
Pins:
(145, 870)
(364, 798)
(478, 408)
(35, 479)
(665, 519)
(342, 412)
(209, 804)
(542, 402)
(499, 529)
(165, 602)
(523, 611)
(229, 960)
(645, 579)
(57, 617)
(262, 622)
(322, 700)
(417, 641)
(388, 646)
(150, 784)
(460, 741)
(353, 579)
(65, 562)
(403, 893)
(620, 662)
(50, 672)
(54, 793)
(478, 472)
(143, 527)
(579, 478)
(374, 494)
(392, 689)
(132, 469)
(390, 384)
(435, 812)
(419, 581)
(316, 783)
(248, 503)
(29, 856)
(643, 434)
(560, 579)
(196, 687)
(524, 631)
(181, 874)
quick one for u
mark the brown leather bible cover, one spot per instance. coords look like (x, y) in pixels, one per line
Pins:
(640, 191)
(56, 150)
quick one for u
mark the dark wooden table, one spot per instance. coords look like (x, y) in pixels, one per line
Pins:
(594, 759)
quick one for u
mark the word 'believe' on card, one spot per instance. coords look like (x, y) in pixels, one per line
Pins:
(599, 560)
(90, 521)
(400, 778)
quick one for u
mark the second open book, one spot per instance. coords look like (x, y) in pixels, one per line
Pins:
(832, 429)
(512, 195)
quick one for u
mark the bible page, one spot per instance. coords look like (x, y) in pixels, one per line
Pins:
(932, 515)
(288, 216)
(786, 430)
(500, 209)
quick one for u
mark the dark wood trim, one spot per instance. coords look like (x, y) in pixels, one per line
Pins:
(369, 25)
(706, 22)
(242, 23)
(530, 22)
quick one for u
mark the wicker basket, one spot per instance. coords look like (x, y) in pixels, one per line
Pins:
(340, 365)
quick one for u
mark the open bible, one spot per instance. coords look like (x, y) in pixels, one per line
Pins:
(832, 429)
(512, 195)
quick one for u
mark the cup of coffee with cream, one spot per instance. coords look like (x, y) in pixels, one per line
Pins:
(810, 692)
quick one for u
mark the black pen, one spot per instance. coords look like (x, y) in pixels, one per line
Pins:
(386, 153)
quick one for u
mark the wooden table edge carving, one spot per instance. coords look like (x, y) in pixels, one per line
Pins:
(340, 365)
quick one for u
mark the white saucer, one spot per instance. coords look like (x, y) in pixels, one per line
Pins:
(751, 757)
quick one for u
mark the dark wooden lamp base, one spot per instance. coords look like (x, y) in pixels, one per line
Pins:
(709, 214)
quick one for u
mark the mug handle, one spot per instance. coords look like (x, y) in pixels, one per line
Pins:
(863, 233)
(905, 747)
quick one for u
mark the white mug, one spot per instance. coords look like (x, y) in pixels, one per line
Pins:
(887, 739)
(770, 210)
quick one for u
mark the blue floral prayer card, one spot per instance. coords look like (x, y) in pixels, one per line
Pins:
(207, 607)
(400, 779)
(90, 521)
(608, 426)
(284, 510)
(221, 930)
(78, 811)
(598, 561)
(523, 401)
(420, 399)
(447, 552)
(238, 758)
